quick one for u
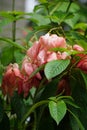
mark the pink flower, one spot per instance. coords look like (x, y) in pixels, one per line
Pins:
(12, 79)
(52, 41)
(38, 75)
(82, 64)
(41, 57)
(59, 55)
(63, 87)
(28, 84)
(28, 68)
(65, 55)
(77, 48)
(33, 51)
(39, 53)
(51, 56)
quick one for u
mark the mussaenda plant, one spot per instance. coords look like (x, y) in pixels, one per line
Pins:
(44, 85)
(43, 82)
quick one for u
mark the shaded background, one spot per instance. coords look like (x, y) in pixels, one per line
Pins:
(6, 5)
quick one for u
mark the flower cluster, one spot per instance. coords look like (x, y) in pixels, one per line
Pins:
(40, 53)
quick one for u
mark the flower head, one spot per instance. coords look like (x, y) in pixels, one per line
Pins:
(52, 41)
(78, 48)
(12, 79)
(82, 64)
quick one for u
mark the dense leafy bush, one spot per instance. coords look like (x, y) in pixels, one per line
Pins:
(43, 80)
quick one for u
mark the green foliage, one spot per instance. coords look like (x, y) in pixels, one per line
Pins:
(18, 55)
(43, 93)
(57, 110)
(1, 110)
(18, 106)
(12, 43)
(79, 94)
(78, 121)
(5, 124)
(55, 68)
(41, 20)
(9, 17)
(7, 52)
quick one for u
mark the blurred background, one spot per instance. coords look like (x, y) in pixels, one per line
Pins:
(21, 5)
(6, 5)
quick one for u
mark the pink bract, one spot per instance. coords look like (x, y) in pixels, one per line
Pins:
(82, 64)
(51, 56)
(41, 57)
(33, 51)
(52, 41)
(28, 84)
(28, 68)
(12, 79)
(78, 48)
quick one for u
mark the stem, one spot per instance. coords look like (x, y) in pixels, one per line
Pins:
(13, 5)
(57, 28)
(13, 23)
(55, 8)
(76, 118)
(13, 28)
(61, 28)
(39, 88)
(14, 31)
(33, 108)
(48, 13)
(35, 121)
(40, 116)
(53, 29)
(64, 97)
(9, 41)
(69, 6)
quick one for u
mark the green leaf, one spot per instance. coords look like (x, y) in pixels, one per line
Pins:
(3, 23)
(71, 22)
(54, 18)
(71, 103)
(48, 90)
(77, 38)
(12, 15)
(57, 110)
(9, 41)
(73, 123)
(39, 19)
(6, 55)
(32, 108)
(18, 106)
(79, 94)
(78, 121)
(57, 18)
(29, 35)
(18, 55)
(43, 1)
(55, 7)
(84, 76)
(82, 26)
(1, 71)
(55, 67)
(46, 122)
(36, 71)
